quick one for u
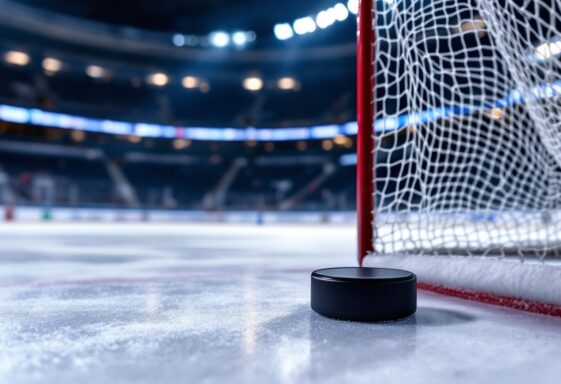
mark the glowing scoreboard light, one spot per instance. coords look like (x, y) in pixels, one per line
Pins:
(33, 116)
(14, 114)
(58, 120)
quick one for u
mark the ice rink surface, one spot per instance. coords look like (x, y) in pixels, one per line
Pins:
(168, 303)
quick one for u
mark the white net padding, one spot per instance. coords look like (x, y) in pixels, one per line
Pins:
(468, 127)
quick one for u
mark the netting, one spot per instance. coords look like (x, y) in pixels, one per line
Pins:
(468, 127)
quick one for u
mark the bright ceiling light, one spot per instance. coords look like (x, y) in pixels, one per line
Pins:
(352, 5)
(191, 82)
(17, 58)
(253, 83)
(304, 25)
(548, 50)
(158, 79)
(283, 31)
(325, 18)
(239, 38)
(219, 39)
(340, 11)
(95, 71)
(178, 40)
(287, 83)
(51, 65)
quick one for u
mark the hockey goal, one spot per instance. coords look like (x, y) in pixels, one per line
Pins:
(459, 146)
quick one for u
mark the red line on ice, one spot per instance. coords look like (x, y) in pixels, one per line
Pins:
(499, 300)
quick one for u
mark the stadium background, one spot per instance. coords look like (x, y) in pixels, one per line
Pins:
(177, 110)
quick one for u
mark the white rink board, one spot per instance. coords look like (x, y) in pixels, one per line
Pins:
(70, 214)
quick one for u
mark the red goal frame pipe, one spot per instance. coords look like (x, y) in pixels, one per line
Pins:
(366, 182)
(365, 139)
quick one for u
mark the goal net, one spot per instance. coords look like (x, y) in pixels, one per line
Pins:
(466, 99)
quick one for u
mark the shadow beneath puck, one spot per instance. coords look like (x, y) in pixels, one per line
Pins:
(428, 316)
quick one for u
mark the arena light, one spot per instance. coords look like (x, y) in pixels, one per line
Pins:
(253, 83)
(96, 72)
(283, 31)
(341, 140)
(548, 50)
(340, 11)
(495, 113)
(288, 83)
(302, 145)
(240, 38)
(352, 6)
(327, 145)
(51, 65)
(251, 36)
(325, 19)
(13, 114)
(178, 40)
(348, 159)
(180, 144)
(18, 58)
(475, 25)
(191, 82)
(158, 79)
(78, 135)
(304, 25)
(219, 39)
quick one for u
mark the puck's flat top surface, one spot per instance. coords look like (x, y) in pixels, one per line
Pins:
(366, 274)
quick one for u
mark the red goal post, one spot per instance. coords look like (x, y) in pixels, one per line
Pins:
(365, 138)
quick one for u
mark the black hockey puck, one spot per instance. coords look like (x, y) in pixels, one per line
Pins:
(364, 294)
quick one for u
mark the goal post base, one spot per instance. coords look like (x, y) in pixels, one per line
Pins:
(364, 294)
(531, 286)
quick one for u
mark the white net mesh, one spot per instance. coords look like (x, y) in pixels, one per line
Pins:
(468, 127)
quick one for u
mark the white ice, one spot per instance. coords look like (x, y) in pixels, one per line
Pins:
(169, 303)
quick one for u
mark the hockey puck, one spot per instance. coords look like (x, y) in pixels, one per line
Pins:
(364, 294)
